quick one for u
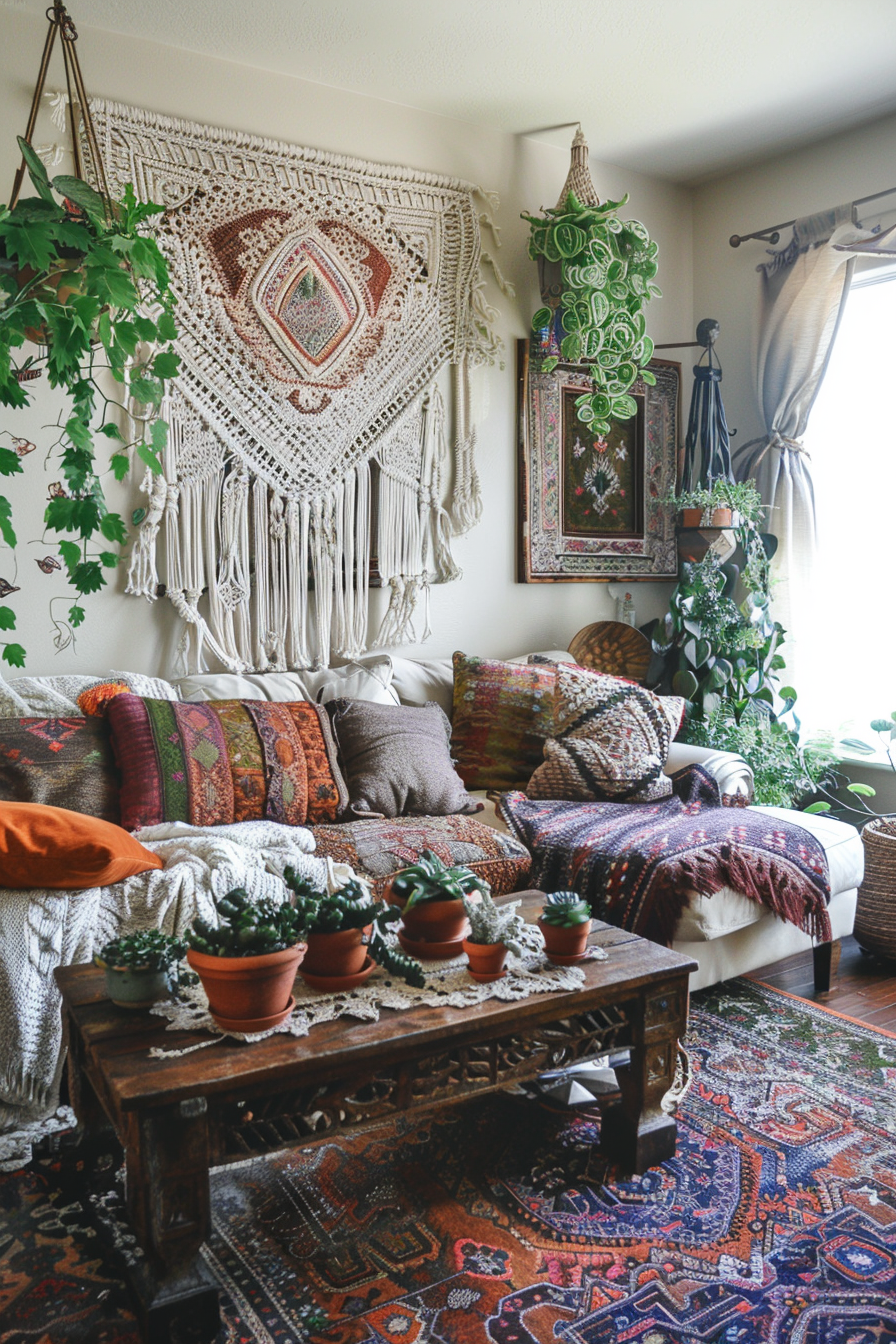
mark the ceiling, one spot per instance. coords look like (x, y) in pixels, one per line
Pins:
(684, 89)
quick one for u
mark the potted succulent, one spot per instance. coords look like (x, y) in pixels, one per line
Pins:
(344, 931)
(565, 924)
(431, 898)
(494, 931)
(248, 964)
(142, 968)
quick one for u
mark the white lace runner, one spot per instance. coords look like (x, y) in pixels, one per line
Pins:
(447, 985)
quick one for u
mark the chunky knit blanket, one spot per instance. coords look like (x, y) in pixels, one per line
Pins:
(637, 863)
(40, 930)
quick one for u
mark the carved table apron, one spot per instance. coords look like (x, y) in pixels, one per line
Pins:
(178, 1117)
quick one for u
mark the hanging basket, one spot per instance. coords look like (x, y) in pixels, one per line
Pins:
(875, 927)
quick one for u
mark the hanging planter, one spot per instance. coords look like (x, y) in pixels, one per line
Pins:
(597, 274)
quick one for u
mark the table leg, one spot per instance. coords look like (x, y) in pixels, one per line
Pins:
(168, 1202)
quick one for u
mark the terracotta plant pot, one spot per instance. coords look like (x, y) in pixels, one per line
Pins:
(337, 954)
(694, 518)
(435, 922)
(485, 958)
(565, 942)
(247, 989)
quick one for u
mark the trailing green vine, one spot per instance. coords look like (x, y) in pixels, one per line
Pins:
(80, 273)
(608, 267)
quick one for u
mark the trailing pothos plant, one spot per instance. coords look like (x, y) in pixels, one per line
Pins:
(607, 268)
(80, 277)
(721, 648)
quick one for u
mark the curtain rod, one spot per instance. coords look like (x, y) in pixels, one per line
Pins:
(772, 233)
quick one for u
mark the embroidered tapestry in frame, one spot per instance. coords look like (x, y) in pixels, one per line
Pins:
(591, 506)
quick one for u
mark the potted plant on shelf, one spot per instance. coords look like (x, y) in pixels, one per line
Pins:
(565, 924)
(248, 964)
(723, 504)
(431, 898)
(494, 931)
(344, 930)
(142, 968)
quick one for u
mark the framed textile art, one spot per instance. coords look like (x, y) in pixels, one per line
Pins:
(318, 300)
(590, 506)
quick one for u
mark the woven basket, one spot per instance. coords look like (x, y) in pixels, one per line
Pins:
(875, 927)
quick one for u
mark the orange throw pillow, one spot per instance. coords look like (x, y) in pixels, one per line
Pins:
(68, 851)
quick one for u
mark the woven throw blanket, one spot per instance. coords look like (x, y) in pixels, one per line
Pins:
(40, 930)
(637, 862)
(317, 299)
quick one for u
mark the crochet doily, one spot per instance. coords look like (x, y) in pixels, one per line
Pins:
(447, 985)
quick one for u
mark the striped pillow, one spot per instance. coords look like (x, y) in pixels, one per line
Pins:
(223, 761)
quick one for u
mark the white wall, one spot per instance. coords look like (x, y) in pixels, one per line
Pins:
(487, 612)
(726, 286)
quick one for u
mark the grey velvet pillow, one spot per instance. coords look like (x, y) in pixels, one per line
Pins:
(396, 760)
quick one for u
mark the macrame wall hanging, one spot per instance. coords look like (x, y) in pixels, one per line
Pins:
(318, 299)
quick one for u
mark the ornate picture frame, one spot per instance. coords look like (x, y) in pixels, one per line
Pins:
(590, 506)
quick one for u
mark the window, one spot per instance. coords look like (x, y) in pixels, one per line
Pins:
(847, 637)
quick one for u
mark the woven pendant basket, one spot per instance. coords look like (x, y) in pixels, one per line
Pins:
(875, 928)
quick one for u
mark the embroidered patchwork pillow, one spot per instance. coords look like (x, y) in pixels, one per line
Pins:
(610, 741)
(502, 714)
(60, 763)
(377, 848)
(222, 761)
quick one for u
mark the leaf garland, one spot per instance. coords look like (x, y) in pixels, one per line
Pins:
(80, 275)
(608, 267)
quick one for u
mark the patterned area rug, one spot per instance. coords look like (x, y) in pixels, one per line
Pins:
(494, 1223)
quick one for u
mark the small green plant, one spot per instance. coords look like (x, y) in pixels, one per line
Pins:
(608, 267)
(490, 923)
(148, 950)
(741, 497)
(247, 928)
(565, 909)
(430, 880)
(352, 907)
(886, 732)
(87, 291)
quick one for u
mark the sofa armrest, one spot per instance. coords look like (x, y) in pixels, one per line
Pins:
(730, 771)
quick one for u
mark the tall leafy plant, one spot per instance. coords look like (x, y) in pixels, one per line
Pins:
(80, 276)
(607, 267)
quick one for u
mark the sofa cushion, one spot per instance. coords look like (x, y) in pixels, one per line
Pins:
(218, 762)
(396, 761)
(241, 686)
(378, 848)
(368, 680)
(502, 714)
(610, 740)
(57, 849)
(709, 917)
(423, 681)
(39, 696)
(60, 762)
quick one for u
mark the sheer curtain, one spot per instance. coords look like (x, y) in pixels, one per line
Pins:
(802, 295)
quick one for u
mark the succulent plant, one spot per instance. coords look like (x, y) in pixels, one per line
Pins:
(352, 907)
(247, 928)
(430, 880)
(146, 950)
(565, 909)
(490, 923)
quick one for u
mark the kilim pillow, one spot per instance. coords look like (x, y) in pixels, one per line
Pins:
(377, 848)
(222, 761)
(396, 760)
(60, 763)
(502, 714)
(610, 741)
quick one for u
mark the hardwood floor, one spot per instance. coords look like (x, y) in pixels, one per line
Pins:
(862, 987)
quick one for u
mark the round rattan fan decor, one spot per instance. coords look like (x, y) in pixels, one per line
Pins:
(613, 647)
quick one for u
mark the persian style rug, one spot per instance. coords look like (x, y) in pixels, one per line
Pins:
(318, 297)
(496, 1223)
(637, 863)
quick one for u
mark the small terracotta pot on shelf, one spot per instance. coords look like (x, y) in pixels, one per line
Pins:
(694, 518)
(431, 921)
(485, 958)
(248, 990)
(565, 942)
(337, 954)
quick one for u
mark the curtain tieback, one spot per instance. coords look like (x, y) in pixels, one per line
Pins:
(780, 441)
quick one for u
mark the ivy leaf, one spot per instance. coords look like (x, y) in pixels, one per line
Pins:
(159, 435)
(7, 618)
(71, 553)
(9, 462)
(112, 527)
(14, 654)
(166, 364)
(120, 466)
(88, 577)
(76, 616)
(6, 529)
(109, 559)
(167, 328)
(111, 431)
(146, 454)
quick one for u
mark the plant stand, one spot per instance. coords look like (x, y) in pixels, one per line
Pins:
(875, 927)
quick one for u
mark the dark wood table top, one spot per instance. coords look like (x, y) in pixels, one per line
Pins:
(118, 1040)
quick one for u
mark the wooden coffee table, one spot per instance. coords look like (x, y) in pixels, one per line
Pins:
(177, 1118)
